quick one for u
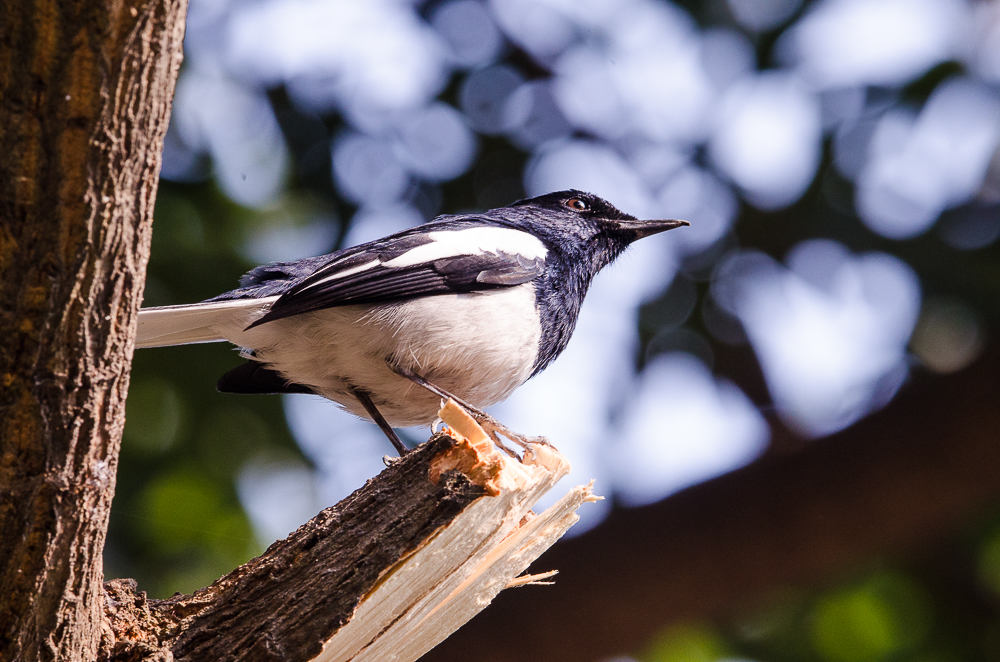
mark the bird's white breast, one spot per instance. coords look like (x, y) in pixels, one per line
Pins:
(480, 346)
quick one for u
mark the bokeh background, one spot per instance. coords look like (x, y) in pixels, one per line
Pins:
(838, 161)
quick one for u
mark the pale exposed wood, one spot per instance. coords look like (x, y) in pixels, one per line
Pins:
(533, 580)
(459, 572)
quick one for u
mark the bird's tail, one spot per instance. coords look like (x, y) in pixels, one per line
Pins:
(211, 321)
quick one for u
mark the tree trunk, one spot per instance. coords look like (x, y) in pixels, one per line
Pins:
(85, 94)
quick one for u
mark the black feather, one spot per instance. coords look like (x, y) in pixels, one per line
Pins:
(256, 377)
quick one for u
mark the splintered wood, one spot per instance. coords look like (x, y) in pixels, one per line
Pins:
(460, 569)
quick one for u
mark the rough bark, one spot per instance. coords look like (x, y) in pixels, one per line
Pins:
(917, 471)
(85, 94)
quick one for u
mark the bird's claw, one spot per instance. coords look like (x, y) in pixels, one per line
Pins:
(495, 429)
(490, 425)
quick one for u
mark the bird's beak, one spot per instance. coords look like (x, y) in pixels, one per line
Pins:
(642, 229)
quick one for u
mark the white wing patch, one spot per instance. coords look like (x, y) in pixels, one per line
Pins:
(346, 272)
(472, 241)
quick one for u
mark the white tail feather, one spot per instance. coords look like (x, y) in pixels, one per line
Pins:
(197, 323)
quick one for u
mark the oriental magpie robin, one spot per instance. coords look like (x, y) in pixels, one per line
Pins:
(468, 306)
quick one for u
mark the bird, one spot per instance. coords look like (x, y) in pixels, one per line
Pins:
(466, 306)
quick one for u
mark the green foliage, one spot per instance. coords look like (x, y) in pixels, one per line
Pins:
(883, 616)
(989, 562)
(687, 643)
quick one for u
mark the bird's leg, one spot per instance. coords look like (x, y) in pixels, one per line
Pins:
(366, 402)
(489, 424)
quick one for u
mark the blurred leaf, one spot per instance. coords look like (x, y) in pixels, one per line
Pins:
(179, 225)
(230, 435)
(885, 615)
(989, 562)
(180, 508)
(153, 415)
(687, 643)
(778, 630)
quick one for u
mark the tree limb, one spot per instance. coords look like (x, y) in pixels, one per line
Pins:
(388, 572)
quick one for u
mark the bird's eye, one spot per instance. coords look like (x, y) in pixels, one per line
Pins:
(576, 204)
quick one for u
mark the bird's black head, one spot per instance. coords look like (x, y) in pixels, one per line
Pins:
(583, 234)
(578, 203)
(583, 224)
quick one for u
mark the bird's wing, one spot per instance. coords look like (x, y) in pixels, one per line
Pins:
(417, 264)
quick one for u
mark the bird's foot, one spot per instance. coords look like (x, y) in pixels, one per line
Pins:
(494, 428)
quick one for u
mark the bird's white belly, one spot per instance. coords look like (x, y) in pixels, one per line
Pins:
(479, 346)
